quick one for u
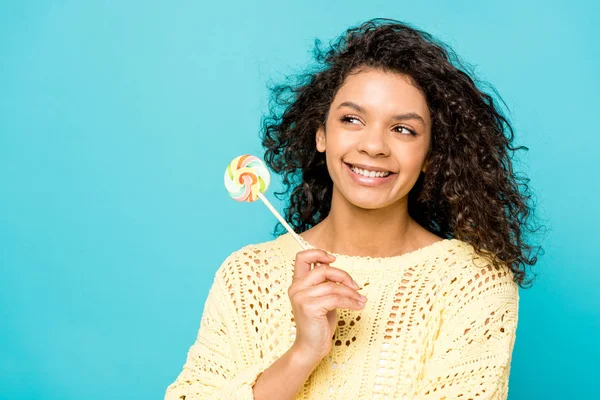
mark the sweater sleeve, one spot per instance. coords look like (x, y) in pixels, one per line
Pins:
(211, 370)
(473, 349)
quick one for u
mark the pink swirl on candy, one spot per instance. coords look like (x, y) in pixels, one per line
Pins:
(246, 177)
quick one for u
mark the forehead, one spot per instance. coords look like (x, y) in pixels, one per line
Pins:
(382, 92)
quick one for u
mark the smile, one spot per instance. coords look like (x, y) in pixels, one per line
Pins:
(369, 176)
(368, 173)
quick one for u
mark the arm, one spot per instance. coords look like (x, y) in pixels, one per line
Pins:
(472, 353)
(285, 377)
(212, 372)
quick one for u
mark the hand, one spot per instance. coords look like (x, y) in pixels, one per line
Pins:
(315, 295)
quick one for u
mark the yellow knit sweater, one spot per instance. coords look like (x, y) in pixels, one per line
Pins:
(440, 323)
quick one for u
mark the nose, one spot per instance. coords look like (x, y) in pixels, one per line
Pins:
(373, 142)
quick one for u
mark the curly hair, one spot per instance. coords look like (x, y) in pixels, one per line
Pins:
(469, 190)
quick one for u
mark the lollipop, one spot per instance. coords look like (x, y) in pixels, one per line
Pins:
(246, 179)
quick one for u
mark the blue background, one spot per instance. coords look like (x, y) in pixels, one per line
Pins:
(117, 120)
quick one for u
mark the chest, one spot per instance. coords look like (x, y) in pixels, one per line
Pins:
(378, 352)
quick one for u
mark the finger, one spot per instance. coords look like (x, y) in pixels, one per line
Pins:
(331, 302)
(327, 273)
(304, 259)
(329, 288)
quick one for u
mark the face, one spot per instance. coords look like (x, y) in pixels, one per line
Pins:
(376, 140)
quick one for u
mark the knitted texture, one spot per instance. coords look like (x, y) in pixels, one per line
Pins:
(440, 323)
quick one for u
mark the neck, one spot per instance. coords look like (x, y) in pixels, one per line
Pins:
(359, 232)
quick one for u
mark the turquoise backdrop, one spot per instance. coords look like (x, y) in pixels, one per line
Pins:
(117, 119)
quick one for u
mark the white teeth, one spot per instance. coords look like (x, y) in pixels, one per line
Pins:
(369, 174)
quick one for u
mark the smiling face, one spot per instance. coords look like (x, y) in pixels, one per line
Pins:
(377, 137)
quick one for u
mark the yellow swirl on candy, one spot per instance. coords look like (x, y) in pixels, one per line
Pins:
(245, 177)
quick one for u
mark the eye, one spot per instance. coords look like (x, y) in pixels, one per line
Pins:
(347, 119)
(402, 127)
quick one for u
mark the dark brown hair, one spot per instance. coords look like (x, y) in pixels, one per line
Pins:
(469, 191)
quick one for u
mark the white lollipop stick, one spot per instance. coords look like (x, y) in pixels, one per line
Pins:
(285, 224)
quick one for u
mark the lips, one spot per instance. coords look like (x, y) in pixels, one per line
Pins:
(368, 171)
(358, 175)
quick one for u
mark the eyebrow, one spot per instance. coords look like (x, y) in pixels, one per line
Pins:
(397, 117)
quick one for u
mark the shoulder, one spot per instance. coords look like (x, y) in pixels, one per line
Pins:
(253, 270)
(465, 260)
(475, 277)
(254, 257)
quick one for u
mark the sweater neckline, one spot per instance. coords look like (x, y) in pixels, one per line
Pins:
(292, 245)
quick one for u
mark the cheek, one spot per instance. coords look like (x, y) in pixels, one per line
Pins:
(339, 144)
(332, 160)
(411, 156)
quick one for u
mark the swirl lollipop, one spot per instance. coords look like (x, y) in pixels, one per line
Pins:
(246, 179)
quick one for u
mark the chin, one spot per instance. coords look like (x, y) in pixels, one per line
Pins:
(367, 198)
(368, 203)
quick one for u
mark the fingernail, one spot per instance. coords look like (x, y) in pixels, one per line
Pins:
(363, 297)
(355, 284)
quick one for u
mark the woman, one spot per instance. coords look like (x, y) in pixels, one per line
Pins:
(399, 173)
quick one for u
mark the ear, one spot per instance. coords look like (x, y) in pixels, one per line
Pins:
(320, 138)
(425, 165)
